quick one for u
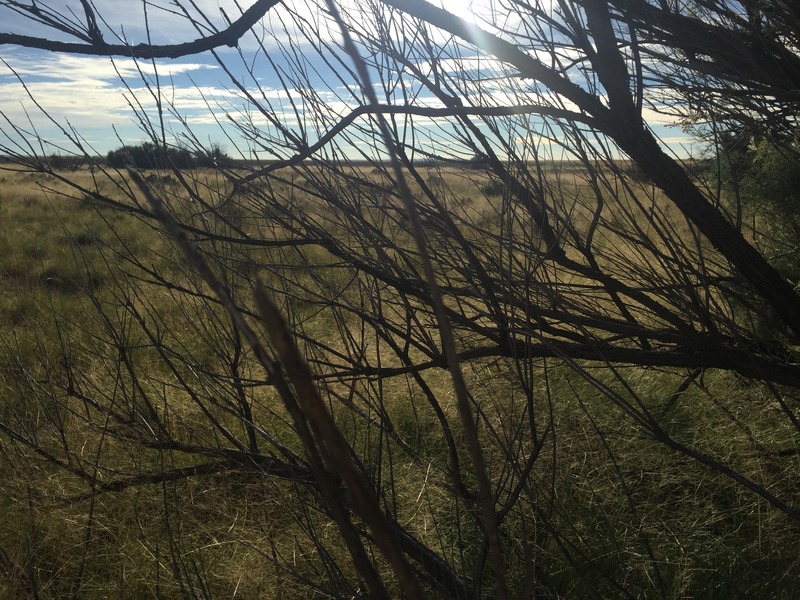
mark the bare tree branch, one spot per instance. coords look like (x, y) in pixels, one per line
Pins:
(229, 36)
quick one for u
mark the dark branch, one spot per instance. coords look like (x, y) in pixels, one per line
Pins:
(227, 37)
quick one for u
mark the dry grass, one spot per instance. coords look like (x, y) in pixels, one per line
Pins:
(606, 507)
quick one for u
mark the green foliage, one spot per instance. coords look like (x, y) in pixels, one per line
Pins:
(775, 176)
(763, 174)
(493, 188)
(766, 171)
(148, 155)
(627, 509)
(66, 162)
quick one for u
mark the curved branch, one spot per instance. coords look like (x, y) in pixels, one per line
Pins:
(735, 54)
(263, 464)
(743, 361)
(422, 111)
(529, 67)
(634, 138)
(227, 37)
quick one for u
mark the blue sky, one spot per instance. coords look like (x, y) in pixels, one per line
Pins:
(98, 97)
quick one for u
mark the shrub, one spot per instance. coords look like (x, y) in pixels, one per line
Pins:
(493, 188)
(151, 156)
(65, 162)
(766, 171)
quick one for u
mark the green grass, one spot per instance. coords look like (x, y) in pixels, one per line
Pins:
(606, 506)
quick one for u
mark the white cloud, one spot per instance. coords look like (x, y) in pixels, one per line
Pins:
(87, 68)
(87, 91)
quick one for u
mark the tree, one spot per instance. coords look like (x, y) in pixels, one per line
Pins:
(148, 155)
(322, 293)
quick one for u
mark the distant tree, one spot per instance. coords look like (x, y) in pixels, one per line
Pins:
(66, 162)
(149, 155)
(215, 156)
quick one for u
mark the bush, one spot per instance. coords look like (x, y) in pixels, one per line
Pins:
(65, 162)
(774, 177)
(766, 174)
(493, 188)
(213, 157)
(766, 171)
(151, 156)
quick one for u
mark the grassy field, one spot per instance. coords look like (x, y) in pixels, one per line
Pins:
(142, 445)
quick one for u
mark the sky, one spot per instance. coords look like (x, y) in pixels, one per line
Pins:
(102, 101)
